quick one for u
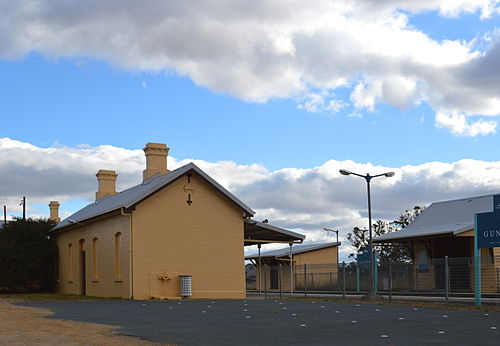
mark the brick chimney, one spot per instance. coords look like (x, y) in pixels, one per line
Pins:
(156, 160)
(54, 211)
(106, 181)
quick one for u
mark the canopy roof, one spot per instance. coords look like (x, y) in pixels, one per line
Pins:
(259, 232)
(441, 218)
(297, 249)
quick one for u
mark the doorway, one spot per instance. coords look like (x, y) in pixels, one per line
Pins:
(83, 269)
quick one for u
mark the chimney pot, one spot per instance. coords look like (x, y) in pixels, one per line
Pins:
(156, 160)
(54, 211)
(106, 181)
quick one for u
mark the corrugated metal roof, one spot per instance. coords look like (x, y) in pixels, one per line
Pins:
(136, 194)
(455, 216)
(274, 229)
(296, 249)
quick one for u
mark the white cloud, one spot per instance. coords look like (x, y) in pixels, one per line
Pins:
(457, 123)
(303, 200)
(262, 50)
(366, 95)
(322, 102)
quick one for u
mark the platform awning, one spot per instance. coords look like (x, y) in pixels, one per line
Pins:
(257, 232)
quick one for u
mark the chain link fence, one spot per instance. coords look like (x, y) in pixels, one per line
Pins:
(441, 277)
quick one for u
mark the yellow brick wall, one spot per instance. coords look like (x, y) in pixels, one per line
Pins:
(204, 239)
(106, 284)
(321, 256)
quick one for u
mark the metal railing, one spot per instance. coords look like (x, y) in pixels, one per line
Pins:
(440, 277)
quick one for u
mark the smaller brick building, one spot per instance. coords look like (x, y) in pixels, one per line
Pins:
(274, 267)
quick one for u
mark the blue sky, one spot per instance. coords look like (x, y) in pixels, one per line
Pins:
(272, 98)
(73, 101)
(70, 99)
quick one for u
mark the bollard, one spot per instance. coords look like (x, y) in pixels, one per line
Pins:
(343, 279)
(446, 279)
(305, 280)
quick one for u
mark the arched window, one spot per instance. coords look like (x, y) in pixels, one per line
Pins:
(117, 256)
(70, 262)
(95, 275)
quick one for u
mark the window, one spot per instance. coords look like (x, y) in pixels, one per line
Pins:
(95, 275)
(70, 262)
(117, 256)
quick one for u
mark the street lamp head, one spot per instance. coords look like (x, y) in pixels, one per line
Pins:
(389, 174)
(344, 172)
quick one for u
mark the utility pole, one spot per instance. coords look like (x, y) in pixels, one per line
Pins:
(4, 214)
(23, 203)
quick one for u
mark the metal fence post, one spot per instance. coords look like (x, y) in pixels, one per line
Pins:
(279, 280)
(343, 279)
(446, 279)
(265, 281)
(305, 280)
(409, 278)
(498, 280)
(358, 288)
(416, 278)
(390, 280)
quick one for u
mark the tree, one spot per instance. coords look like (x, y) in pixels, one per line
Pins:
(359, 238)
(28, 255)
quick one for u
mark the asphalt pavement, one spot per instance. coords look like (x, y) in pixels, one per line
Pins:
(282, 322)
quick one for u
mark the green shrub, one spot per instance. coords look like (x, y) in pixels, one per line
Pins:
(28, 256)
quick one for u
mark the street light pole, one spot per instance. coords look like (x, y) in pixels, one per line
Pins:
(368, 178)
(337, 232)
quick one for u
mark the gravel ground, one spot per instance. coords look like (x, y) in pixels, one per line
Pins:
(275, 322)
(23, 325)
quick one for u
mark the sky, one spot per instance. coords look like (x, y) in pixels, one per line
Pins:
(270, 98)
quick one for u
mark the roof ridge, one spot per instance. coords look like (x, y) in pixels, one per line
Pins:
(465, 198)
(128, 197)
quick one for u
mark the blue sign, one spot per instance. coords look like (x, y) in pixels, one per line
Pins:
(364, 256)
(488, 226)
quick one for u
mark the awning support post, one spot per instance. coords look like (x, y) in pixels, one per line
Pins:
(260, 271)
(291, 268)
